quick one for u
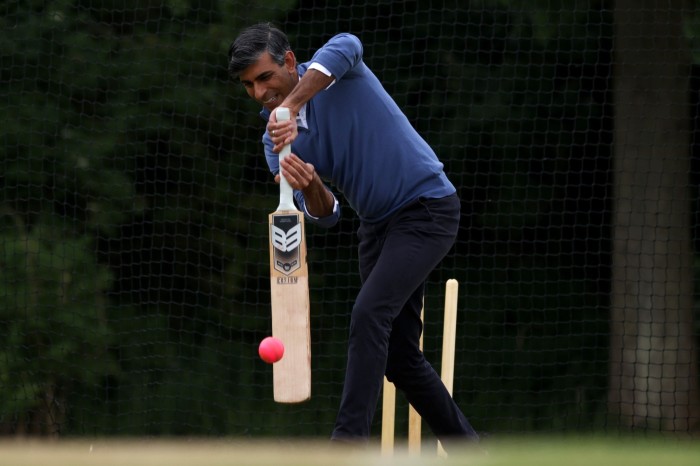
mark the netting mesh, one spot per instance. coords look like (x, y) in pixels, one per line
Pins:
(134, 281)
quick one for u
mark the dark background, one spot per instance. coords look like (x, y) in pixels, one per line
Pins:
(134, 282)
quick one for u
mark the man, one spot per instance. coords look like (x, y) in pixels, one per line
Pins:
(346, 129)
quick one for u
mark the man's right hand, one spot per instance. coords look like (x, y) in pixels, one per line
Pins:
(282, 132)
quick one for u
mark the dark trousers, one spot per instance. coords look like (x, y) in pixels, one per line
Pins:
(396, 256)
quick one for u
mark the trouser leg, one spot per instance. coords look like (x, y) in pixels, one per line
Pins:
(408, 369)
(395, 259)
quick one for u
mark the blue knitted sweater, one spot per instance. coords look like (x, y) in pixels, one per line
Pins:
(360, 141)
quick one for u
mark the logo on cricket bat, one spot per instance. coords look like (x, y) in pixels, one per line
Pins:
(285, 233)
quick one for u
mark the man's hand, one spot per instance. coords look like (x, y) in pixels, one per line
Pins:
(282, 132)
(302, 176)
(298, 173)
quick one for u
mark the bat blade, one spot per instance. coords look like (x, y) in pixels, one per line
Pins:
(289, 292)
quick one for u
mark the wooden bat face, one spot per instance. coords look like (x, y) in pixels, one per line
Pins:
(289, 294)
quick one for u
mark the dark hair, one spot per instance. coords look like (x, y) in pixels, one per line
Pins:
(252, 42)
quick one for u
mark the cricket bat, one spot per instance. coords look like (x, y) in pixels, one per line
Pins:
(289, 290)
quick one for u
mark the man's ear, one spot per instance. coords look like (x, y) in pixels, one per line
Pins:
(290, 61)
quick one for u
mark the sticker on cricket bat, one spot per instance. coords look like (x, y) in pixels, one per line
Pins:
(286, 236)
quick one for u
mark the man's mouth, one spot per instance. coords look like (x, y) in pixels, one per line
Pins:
(270, 100)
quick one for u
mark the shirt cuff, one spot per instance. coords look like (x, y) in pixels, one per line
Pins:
(335, 210)
(319, 67)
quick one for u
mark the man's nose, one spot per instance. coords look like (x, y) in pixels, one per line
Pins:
(260, 91)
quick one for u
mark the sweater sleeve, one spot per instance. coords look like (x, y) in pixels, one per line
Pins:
(325, 222)
(340, 54)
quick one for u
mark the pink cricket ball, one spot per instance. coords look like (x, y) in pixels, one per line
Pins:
(271, 350)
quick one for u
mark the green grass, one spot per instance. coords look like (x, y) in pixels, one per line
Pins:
(586, 451)
(522, 451)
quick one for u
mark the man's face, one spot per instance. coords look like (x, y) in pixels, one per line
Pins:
(269, 83)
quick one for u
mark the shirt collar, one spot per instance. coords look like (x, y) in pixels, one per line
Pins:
(301, 116)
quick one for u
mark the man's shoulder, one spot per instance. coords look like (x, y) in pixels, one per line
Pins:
(340, 53)
(347, 38)
(345, 35)
(342, 41)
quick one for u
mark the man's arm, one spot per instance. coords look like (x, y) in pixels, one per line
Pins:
(318, 199)
(309, 85)
(330, 63)
(285, 132)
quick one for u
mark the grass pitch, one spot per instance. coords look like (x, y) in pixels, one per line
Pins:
(525, 451)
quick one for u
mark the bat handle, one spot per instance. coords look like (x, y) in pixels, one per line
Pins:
(286, 191)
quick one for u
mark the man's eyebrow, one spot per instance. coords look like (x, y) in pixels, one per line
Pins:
(262, 75)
